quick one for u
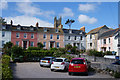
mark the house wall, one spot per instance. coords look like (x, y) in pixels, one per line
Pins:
(21, 36)
(113, 44)
(47, 40)
(6, 38)
(82, 43)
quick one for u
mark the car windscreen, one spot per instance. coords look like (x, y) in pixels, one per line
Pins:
(77, 61)
(46, 59)
(58, 60)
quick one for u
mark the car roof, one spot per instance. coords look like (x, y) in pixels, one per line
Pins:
(48, 57)
(60, 58)
(77, 58)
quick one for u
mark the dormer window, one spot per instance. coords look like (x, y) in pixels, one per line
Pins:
(18, 27)
(56, 30)
(80, 32)
(4, 27)
(31, 28)
(70, 31)
(45, 29)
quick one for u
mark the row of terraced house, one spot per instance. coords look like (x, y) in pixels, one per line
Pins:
(102, 38)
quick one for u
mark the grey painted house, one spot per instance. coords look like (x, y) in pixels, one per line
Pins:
(75, 38)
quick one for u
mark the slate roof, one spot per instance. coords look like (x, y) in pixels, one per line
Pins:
(109, 33)
(73, 31)
(95, 30)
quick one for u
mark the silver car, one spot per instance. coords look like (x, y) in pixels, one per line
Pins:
(46, 61)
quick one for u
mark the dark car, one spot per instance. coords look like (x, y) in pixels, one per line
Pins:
(117, 62)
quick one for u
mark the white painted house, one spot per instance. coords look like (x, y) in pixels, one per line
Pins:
(5, 35)
(108, 41)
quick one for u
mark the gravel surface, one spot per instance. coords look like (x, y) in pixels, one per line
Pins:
(33, 70)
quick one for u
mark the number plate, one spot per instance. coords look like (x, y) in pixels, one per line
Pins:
(44, 61)
(76, 66)
(56, 67)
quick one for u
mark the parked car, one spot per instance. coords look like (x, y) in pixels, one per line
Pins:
(117, 62)
(60, 64)
(78, 65)
(47, 61)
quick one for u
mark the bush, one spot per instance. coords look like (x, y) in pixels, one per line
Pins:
(93, 52)
(67, 56)
(6, 70)
(33, 48)
(117, 74)
(59, 52)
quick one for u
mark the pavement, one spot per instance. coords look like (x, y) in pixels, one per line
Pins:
(33, 70)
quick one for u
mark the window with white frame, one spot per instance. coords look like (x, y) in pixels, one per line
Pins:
(17, 35)
(44, 36)
(68, 37)
(51, 36)
(45, 29)
(104, 40)
(57, 44)
(58, 36)
(32, 36)
(81, 38)
(17, 43)
(56, 30)
(109, 40)
(31, 44)
(3, 34)
(44, 44)
(109, 48)
(3, 42)
(25, 35)
(90, 36)
(4, 27)
(75, 38)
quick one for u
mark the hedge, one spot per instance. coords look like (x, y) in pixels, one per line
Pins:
(6, 70)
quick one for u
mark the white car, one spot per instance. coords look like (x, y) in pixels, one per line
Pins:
(47, 61)
(60, 64)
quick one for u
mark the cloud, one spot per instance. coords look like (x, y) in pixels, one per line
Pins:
(86, 19)
(3, 4)
(27, 21)
(67, 12)
(27, 8)
(87, 7)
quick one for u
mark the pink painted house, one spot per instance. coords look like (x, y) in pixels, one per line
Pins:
(24, 36)
(108, 41)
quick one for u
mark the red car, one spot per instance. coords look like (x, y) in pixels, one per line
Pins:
(78, 65)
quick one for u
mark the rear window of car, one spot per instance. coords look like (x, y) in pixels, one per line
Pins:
(46, 59)
(77, 61)
(58, 60)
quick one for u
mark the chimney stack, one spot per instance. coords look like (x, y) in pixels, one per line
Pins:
(11, 22)
(82, 28)
(37, 25)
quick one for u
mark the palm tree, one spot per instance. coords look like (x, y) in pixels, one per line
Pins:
(69, 22)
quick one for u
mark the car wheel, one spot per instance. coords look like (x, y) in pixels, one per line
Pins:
(41, 65)
(69, 73)
(65, 69)
(86, 74)
(52, 69)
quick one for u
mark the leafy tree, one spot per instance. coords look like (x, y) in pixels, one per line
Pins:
(40, 45)
(69, 22)
(17, 51)
(68, 47)
(7, 48)
(2, 21)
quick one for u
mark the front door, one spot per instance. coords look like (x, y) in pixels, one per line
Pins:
(24, 44)
(51, 44)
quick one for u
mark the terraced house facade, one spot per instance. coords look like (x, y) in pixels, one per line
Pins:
(51, 37)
